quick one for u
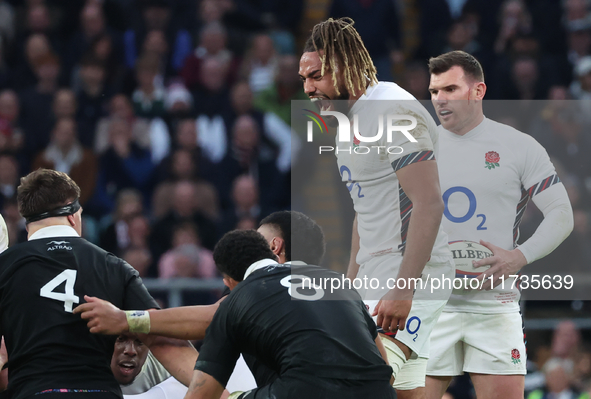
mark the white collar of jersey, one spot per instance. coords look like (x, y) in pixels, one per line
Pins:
(259, 265)
(296, 263)
(54, 231)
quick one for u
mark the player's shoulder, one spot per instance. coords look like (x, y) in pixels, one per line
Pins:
(509, 133)
(388, 91)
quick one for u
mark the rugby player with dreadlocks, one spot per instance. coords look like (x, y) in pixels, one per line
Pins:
(386, 186)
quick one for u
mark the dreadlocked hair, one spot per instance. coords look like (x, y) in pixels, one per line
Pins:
(338, 38)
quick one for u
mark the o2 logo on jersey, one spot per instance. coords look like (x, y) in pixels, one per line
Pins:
(459, 190)
(351, 183)
(304, 283)
(412, 326)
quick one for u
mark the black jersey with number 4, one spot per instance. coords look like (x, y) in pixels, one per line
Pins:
(312, 340)
(49, 347)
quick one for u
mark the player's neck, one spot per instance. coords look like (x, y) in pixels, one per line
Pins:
(34, 227)
(471, 125)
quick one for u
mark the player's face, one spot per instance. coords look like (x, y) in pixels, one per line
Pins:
(320, 87)
(457, 100)
(128, 358)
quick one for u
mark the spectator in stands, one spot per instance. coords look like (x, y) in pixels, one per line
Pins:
(36, 104)
(92, 96)
(11, 135)
(558, 376)
(124, 165)
(578, 46)
(179, 102)
(65, 154)
(211, 97)
(116, 238)
(157, 15)
(580, 88)
(244, 156)
(566, 340)
(276, 141)
(148, 98)
(64, 104)
(35, 47)
(184, 208)
(106, 48)
(139, 231)
(260, 63)
(286, 87)
(416, 80)
(9, 178)
(92, 28)
(187, 257)
(6, 79)
(212, 44)
(151, 135)
(16, 224)
(7, 25)
(139, 258)
(245, 199)
(515, 19)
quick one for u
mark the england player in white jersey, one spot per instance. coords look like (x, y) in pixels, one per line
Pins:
(488, 171)
(396, 176)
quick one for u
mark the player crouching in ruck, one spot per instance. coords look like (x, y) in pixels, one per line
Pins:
(319, 348)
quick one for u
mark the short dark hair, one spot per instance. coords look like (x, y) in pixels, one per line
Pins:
(239, 249)
(304, 239)
(467, 62)
(44, 190)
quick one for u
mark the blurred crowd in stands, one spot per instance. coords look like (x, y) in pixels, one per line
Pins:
(173, 116)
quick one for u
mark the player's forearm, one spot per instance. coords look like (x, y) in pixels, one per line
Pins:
(204, 386)
(422, 232)
(555, 228)
(177, 356)
(353, 267)
(187, 322)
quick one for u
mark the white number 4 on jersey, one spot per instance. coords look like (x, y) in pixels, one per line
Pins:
(68, 297)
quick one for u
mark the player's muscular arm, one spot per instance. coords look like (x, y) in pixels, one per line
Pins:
(353, 268)
(204, 386)
(556, 226)
(187, 322)
(420, 182)
(177, 356)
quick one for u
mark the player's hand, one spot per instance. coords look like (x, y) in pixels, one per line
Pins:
(502, 264)
(393, 309)
(103, 317)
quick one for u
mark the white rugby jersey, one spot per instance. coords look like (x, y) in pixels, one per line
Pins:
(383, 209)
(487, 178)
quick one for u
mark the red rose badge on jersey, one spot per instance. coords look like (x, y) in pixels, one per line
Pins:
(491, 160)
(356, 141)
(515, 356)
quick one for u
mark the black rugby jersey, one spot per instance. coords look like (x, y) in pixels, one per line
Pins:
(49, 347)
(313, 340)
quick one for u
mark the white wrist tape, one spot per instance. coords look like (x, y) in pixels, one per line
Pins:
(138, 321)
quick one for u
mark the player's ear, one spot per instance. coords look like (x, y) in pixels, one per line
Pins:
(71, 220)
(278, 246)
(479, 90)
